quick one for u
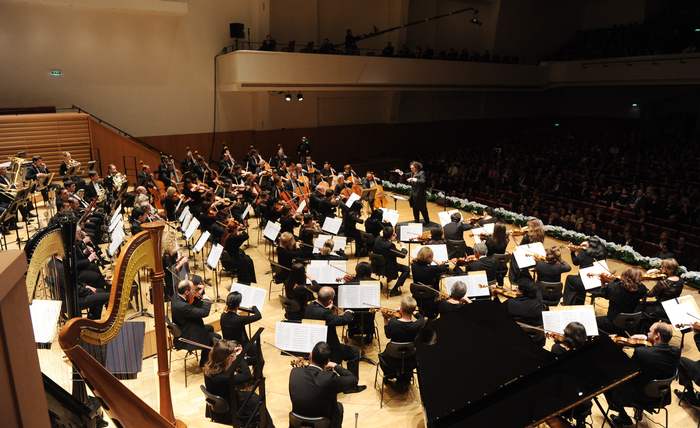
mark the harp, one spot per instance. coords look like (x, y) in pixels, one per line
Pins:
(124, 407)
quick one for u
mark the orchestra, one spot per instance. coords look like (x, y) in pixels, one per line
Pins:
(224, 198)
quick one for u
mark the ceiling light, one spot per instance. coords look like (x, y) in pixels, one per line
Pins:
(288, 97)
(300, 96)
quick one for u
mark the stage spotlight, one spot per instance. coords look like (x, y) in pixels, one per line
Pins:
(288, 97)
(300, 96)
(476, 21)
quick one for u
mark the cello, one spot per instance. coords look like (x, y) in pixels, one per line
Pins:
(380, 200)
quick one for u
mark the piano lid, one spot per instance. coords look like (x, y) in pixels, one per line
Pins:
(484, 370)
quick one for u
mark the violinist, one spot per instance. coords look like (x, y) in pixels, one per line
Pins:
(574, 336)
(281, 157)
(527, 306)
(384, 246)
(326, 252)
(454, 231)
(207, 217)
(488, 217)
(435, 236)
(174, 265)
(328, 205)
(658, 361)
(315, 200)
(550, 270)
(289, 220)
(225, 165)
(498, 241)
(401, 330)
(624, 295)
(457, 299)
(233, 325)
(590, 251)
(351, 218)
(534, 233)
(232, 240)
(189, 308)
(320, 309)
(363, 272)
(375, 223)
(192, 193)
(170, 203)
(484, 262)
(665, 289)
(425, 271)
(295, 288)
(287, 251)
(308, 233)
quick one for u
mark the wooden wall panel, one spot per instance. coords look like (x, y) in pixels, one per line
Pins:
(113, 148)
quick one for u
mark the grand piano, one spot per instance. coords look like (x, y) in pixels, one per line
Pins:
(478, 368)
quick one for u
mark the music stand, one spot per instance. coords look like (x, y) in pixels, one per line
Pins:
(397, 198)
(4, 217)
(368, 195)
(71, 172)
(433, 190)
(213, 263)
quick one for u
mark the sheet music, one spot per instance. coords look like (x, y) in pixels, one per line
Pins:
(392, 216)
(295, 337)
(356, 295)
(178, 204)
(678, 309)
(113, 225)
(44, 314)
(444, 217)
(118, 235)
(332, 225)
(557, 320)
(400, 198)
(116, 215)
(246, 211)
(302, 205)
(410, 231)
(202, 240)
(326, 273)
(214, 256)
(183, 214)
(590, 282)
(193, 226)
(186, 222)
(113, 247)
(528, 261)
(272, 231)
(439, 252)
(472, 282)
(251, 296)
(339, 243)
(353, 197)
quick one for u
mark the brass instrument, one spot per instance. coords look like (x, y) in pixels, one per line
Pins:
(101, 195)
(119, 179)
(73, 163)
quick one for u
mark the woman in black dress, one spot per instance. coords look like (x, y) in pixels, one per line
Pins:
(287, 251)
(427, 273)
(534, 234)
(590, 251)
(239, 261)
(233, 325)
(401, 330)
(624, 295)
(550, 270)
(295, 288)
(665, 289)
(217, 373)
(498, 241)
(574, 336)
(456, 300)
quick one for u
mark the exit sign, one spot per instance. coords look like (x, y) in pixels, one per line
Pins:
(56, 72)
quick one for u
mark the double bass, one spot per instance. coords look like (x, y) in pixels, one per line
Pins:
(158, 192)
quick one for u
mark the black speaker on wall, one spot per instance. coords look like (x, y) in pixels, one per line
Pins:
(237, 30)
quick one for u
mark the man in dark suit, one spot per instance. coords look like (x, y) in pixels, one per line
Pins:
(190, 317)
(454, 231)
(93, 187)
(320, 309)
(384, 246)
(314, 389)
(418, 183)
(689, 372)
(90, 298)
(484, 262)
(139, 216)
(659, 361)
(637, 202)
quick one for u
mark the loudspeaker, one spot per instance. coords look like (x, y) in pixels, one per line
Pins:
(237, 30)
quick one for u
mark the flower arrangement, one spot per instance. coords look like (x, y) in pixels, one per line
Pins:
(623, 253)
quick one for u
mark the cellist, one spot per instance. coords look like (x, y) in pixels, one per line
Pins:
(367, 183)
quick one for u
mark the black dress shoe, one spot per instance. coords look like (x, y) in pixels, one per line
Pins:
(621, 420)
(394, 292)
(5, 232)
(688, 397)
(12, 227)
(358, 388)
(30, 215)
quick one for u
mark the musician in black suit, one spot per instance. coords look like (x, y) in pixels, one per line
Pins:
(90, 298)
(190, 316)
(63, 169)
(454, 231)
(314, 389)
(418, 201)
(659, 361)
(225, 165)
(139, 216)
(146, 177)
(92, 188)
(689, 372)
(591, 250)
(483, 262)
(37, 170)
(320, 309)
(384, 246)
(6, 200)
(551, 268)
(527, 306)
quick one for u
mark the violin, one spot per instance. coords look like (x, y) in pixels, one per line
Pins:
(442, 296)
(422, 239)
(347, 278)
(299, 362)
(574, 248)
(518, 231)
(474, 220)
(504, 293)
(631, 343)
(537, 257)
(681, 326)
(554, 336)
(386, 312)
(463, 261)
(196, 295)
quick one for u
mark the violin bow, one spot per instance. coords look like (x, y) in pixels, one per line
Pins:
(538, 328)
(281, 350)
(191, 342)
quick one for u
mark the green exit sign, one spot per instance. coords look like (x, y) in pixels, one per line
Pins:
(56, 72)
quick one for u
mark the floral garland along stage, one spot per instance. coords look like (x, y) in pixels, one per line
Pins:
(623, 253)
